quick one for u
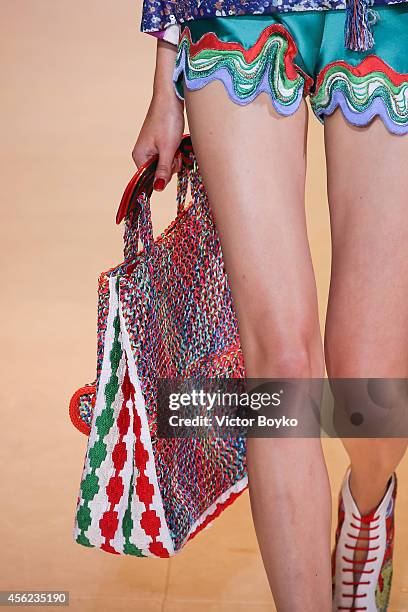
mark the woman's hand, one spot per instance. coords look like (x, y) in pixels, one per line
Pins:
(163, 127)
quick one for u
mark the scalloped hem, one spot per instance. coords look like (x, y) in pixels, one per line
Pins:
(377, 108)
(225, 77)
(266, 67)
(362, 92)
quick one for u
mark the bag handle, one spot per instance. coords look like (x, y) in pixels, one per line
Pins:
(142, 181)
(135, 204)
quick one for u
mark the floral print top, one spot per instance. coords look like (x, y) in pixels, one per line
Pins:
(162, 17)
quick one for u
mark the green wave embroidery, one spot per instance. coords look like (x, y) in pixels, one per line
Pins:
(360, 91)
(246, 77)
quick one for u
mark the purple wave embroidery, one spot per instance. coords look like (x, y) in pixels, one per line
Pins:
(361, 118)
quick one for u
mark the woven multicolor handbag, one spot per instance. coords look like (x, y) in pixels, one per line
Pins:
(165, 312)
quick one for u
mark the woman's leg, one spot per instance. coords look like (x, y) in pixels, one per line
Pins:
(367, 320)
(253, 165)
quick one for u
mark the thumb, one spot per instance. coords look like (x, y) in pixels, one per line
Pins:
(164, 169)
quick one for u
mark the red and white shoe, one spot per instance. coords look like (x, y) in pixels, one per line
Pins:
(372, 592)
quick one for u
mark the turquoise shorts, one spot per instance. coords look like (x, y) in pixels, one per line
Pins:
(292, 55)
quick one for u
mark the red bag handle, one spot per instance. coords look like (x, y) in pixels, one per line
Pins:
(142, 180)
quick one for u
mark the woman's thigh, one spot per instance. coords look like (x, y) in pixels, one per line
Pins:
(367, 318)
(253, 165)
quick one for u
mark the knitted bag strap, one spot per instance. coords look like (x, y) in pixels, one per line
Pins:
(135, 204)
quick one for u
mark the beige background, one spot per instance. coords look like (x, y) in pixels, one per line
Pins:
(76, 83)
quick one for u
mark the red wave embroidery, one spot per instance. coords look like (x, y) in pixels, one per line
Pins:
(371, 63)
(211, 41)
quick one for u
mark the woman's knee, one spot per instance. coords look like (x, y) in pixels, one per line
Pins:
(294, 352)
(369, 409)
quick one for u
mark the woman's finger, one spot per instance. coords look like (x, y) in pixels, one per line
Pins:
(164, 168)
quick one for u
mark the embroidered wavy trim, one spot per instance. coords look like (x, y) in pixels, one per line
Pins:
(362, 92)
(267, 66)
